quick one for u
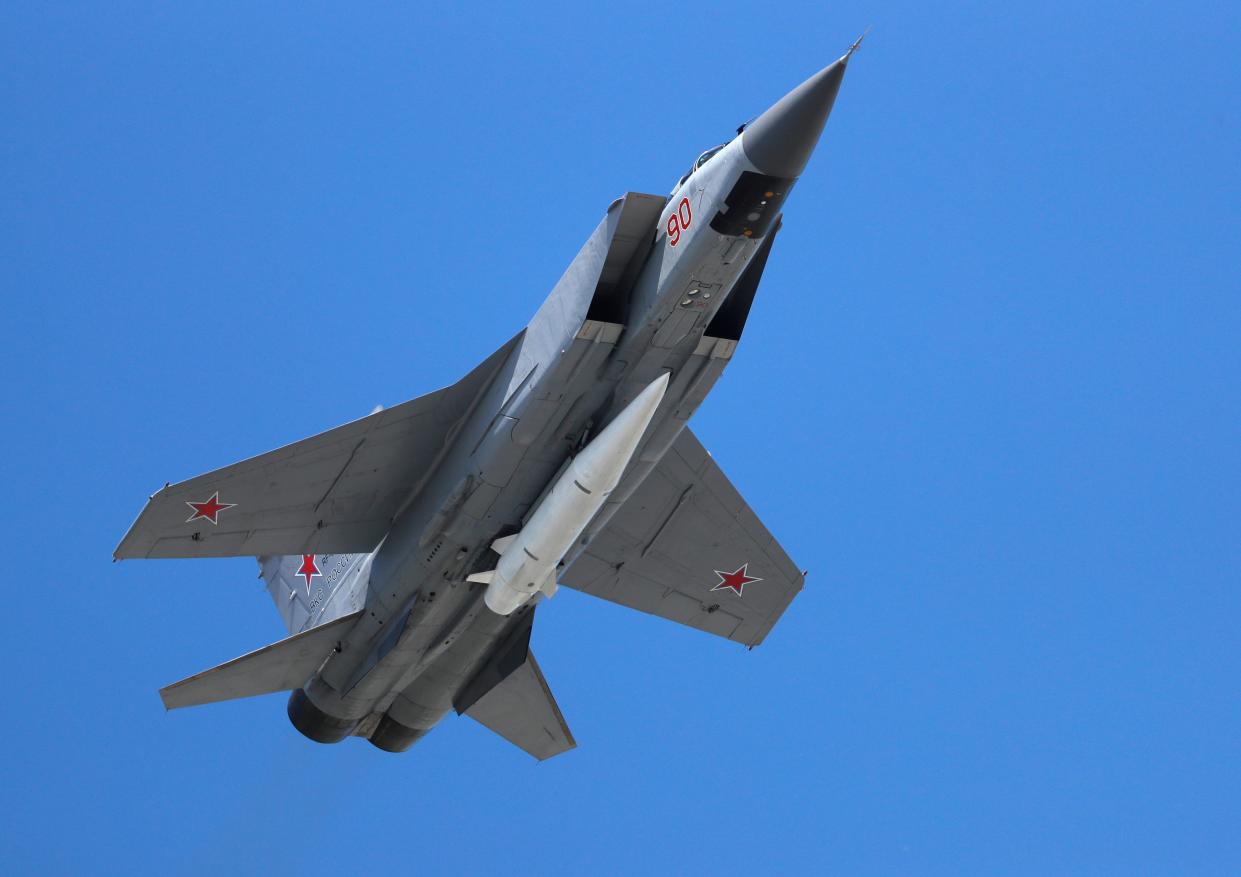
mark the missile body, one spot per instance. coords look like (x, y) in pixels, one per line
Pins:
(528, 559)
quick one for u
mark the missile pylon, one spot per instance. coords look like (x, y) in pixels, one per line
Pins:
(529, 559)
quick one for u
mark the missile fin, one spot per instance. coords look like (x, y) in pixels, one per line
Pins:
(484, 577)
(501, 544)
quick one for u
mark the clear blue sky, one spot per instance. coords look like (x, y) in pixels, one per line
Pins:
(988, 395)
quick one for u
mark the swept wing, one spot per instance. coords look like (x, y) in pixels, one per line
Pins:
(333, 493)
(685, 546)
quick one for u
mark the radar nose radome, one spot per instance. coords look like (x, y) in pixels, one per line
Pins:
(779, 142)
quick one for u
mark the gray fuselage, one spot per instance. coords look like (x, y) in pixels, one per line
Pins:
(624, 313)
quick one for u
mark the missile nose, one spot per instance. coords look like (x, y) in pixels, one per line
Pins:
(648, 400)
(601, 463)
(779, 142)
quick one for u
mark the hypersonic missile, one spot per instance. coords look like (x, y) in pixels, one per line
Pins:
(528, 559)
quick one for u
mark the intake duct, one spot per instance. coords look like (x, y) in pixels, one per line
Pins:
(315, 723)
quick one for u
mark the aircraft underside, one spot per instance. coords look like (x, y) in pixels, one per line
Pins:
(408, 551)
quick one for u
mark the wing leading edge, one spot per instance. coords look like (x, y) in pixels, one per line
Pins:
(333, 493)
(685, 546)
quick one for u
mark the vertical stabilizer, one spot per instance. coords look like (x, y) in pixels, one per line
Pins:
(313, 589)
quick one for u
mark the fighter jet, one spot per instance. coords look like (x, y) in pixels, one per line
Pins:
(408, 552)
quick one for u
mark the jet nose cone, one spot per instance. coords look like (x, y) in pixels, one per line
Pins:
(779, 142)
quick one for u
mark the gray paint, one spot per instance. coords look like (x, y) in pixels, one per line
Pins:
(779, 142)
(402, 506)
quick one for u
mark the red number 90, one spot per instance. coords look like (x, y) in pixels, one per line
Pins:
(678, 221)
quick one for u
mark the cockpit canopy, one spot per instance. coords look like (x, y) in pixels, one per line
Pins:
(708, 155)
(698, 162)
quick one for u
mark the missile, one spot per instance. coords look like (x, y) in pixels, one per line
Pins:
(528, 560)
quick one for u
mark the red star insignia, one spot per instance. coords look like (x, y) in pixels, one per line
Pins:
(209, 509)
(735, 581)
(309, 570)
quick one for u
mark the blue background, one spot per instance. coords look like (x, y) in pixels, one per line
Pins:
(988, 395)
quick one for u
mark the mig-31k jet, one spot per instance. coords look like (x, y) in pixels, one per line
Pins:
(407, 551)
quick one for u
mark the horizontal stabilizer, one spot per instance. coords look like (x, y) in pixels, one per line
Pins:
(281, 666)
